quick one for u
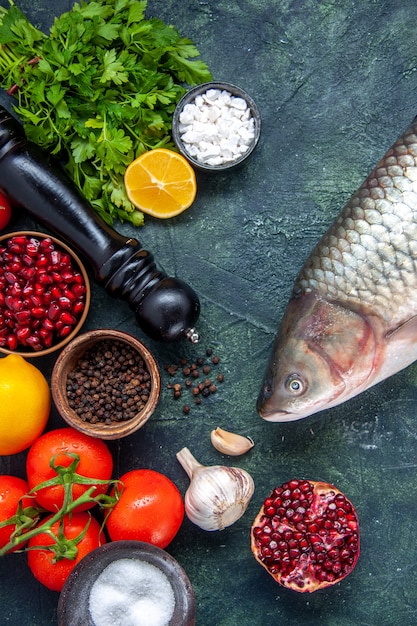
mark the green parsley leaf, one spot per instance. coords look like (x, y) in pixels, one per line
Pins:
(98, 90)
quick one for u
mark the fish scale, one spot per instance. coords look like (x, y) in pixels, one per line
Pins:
(352, 317)
(370, 251)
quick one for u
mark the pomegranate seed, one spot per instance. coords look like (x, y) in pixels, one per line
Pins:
(78, 290)
(67, 319)
(67, 276)
(38, 312)
(34, 343)
(45, 279)
(22, 334)
(64, 302)
(54, 311)
(67, 293)
(22, 316)
(10, 277)
(48, 324)
(64, 331)
(55, 257)
(12, 342)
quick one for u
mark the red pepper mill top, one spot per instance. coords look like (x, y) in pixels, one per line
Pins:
(165, 308)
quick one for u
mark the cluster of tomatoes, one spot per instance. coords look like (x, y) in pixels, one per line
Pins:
(58, 531)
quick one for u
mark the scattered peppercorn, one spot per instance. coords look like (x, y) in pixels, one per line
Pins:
(191, 371)
(109, 383)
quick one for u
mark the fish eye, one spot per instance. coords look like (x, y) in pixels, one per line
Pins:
(295, 385)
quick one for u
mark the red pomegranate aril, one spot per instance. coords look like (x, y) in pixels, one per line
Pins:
(38, 286)
(22, 334)
(316, 552)
(55, 257)
(56, 292)
(78, 290)
(12, 342)
(45, 279)
(39, 312)
(79, 280)
(48, 324)
(54, 311)
(10, 277)
(67, 293)
(64, 302)
(64, 331)
(67, 319)
(22, 317)
(34, 342)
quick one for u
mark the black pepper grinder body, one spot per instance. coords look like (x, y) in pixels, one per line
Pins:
(165, 308)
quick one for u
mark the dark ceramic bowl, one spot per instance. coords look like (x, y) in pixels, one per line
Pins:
(184, 147)
(66, 363)
(18, 304)
(153, 577)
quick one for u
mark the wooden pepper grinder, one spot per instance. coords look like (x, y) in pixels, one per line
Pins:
(165, 308)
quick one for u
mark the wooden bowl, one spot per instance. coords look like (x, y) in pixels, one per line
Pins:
(66, 363)
(80, 596)
(29, 352)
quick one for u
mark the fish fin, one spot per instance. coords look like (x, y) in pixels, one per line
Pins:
(344, 338)
(406, 332)
(401, 349)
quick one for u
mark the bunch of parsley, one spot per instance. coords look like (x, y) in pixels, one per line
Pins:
(98, 91)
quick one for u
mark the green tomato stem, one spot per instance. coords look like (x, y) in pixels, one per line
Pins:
(26, 520)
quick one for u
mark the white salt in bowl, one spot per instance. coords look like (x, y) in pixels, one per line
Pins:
(125, 582)
(216, 126)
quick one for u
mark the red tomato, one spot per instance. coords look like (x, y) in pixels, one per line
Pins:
(12, 489)
(95, 462)
(5, 211)
(41, 562)
(150, 509)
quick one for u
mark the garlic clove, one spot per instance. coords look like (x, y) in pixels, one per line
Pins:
(217, 495)
(230, 443)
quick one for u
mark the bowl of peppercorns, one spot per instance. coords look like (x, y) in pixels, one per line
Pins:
(44, 294)
(106, 383)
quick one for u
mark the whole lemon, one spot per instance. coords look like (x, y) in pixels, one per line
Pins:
(25, 404)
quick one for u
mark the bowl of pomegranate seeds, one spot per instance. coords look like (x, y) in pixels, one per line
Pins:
(106, 383)
(44, 294)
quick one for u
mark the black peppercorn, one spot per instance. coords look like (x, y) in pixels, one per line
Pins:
(109, 383)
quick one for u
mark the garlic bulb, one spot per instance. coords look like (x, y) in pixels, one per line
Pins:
(230, 443)
(218, 495)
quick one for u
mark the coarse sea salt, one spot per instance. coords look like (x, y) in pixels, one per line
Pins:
(129, 592)
(217, 127)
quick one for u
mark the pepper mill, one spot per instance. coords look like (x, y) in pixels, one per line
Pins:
(165, 308)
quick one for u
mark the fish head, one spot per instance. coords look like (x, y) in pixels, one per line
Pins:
(323, 353)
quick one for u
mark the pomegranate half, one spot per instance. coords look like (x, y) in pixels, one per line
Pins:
(306, 535)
